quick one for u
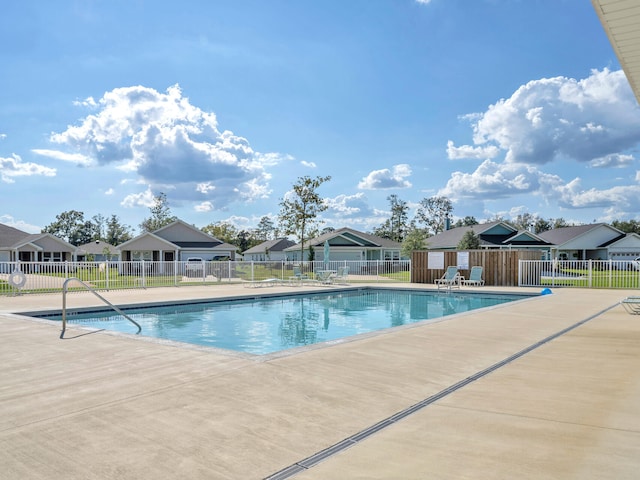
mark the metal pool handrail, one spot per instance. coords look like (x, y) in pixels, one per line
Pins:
(88, 287)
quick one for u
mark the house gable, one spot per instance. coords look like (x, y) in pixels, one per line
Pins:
(179, 237)
(582, 237)
(181, 232)
(625, 248)
(499, 229)
(349, 239)
(630, 240)
(44, 242)
(277, 245)
(493, 234)
(147, 241)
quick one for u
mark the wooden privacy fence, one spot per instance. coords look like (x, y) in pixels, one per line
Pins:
(500, 267)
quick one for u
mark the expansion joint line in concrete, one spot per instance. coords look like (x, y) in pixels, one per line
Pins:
(316, 458)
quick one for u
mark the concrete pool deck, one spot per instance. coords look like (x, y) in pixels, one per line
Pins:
(105, 406)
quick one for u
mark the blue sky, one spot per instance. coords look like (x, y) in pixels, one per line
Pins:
(503, 106)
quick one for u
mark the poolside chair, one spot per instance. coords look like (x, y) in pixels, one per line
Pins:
(631, 305)
(325, 277)
(267, 282)
(451, 278)
(475, 277)
(342, 276)
(298, 276)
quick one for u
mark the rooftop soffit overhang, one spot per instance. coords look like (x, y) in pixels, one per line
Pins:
(621, 22)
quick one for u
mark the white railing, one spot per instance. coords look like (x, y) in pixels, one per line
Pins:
(48, 277)
(579, 273)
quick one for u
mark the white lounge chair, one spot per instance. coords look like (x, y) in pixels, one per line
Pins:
(342, 275)
(475, 277)
(267, 282)
(631, 305)
(450, 279)
(325, 276)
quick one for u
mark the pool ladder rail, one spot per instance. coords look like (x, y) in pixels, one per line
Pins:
(89, 288)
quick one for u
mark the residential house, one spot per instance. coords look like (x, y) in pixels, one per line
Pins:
(626, 248)
(597, 241)
(347, 244)
(492, 235)
(16, 245)
(97, 251)
(176, 241)
(271, 250)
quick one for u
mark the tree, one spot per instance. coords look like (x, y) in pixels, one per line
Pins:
(116, 232)
(415, 240)
(396, 226)
(99, 223)
(71, 227)
(85, 233)
(433, 212)
(466, 222)
(265, 230)
(628, 226)
(160, 214)
(524, 221)
(559, 223)
(298, 211)
(469, 241)
(243, 240)
(223, 231)
(541, 225)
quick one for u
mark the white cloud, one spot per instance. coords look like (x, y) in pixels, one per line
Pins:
(308, 164)
(495, 180)
(469, 151)
(621, 197)
(492, 181)
(555, 118)
(87, 102)
(346, 206)
(386, 179)
(423, 2)
(109, 191)
(143, 199)
(19, 224)
(76, 158)
(13, 166)
(354, 211)
(615, 160)
(205, 187)
(593, 121)
(166, 140)
(204, 207)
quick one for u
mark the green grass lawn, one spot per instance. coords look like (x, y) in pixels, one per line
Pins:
(599, 279)
(404, 277)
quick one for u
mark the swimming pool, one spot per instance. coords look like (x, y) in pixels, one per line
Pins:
(279, 322)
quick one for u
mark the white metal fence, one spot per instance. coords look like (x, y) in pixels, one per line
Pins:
(579, 273)
(47, 277)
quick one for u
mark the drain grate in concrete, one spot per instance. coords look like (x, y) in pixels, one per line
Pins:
(316, 458)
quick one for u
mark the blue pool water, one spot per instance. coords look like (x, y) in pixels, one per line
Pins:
(270, 324)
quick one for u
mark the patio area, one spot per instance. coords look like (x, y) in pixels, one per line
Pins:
(107, 406)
